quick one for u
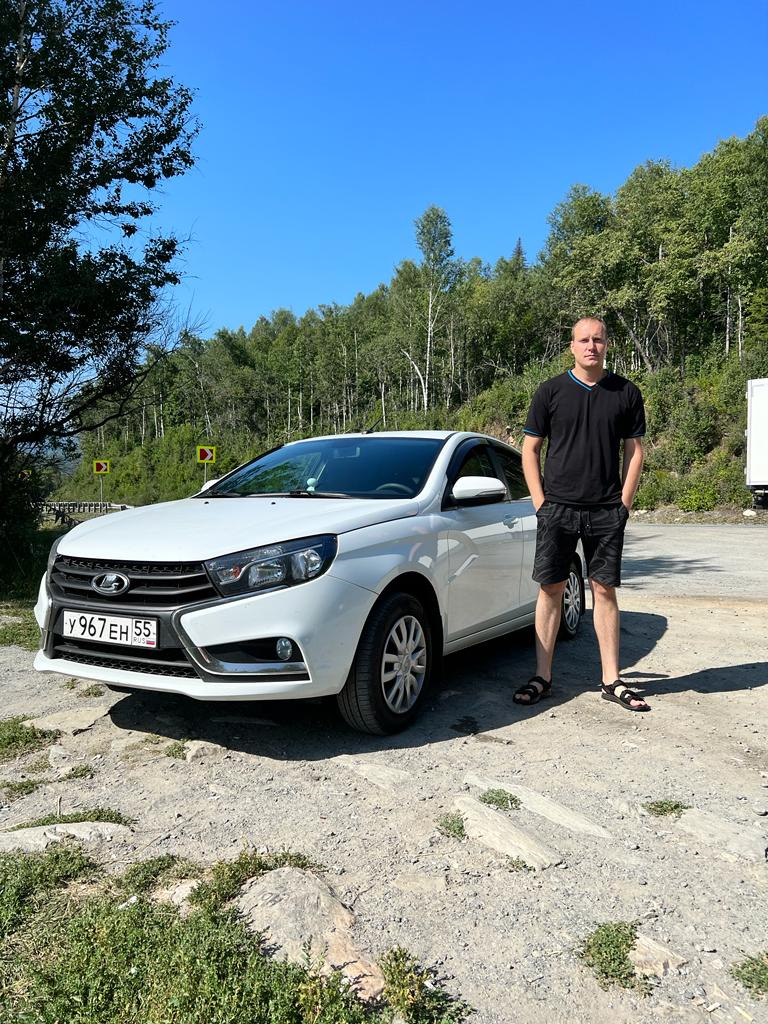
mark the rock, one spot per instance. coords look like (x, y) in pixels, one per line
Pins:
(380, 775)
(731, 840)
(749, 513)
(651, 958)
(31, 840)
(59, 758)
(196, 750)
(494, 830)
(293, 907)
(177, 894)
(557, 813)
(71, 722)
(760, 810)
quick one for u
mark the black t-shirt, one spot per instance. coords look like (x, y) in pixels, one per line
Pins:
(585, 426)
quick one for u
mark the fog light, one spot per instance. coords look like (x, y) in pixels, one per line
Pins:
(284, 649)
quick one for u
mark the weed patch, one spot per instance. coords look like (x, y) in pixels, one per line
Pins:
(40, 764)
(606, 951)
(412, 993)
(518, 864)
(501, 798)
(87, 814)
(146, 875)
(227, 876)
(80, 771)
(666, 808)
(92, 691)
(13, 790)
(753, 974)
(17, 738)
(176, 749)
(451, 825)
(69, 684)
(26, 877)
(23, 631)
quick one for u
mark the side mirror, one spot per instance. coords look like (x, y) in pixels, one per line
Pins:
(207, 484)
(478, 490)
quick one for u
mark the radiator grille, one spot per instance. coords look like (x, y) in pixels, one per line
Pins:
(152, 584)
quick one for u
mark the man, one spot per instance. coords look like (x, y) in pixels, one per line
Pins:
(585, 413)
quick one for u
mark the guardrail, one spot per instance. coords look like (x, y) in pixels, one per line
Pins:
(65, 511)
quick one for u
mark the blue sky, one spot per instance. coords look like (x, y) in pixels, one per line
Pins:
(329, 126)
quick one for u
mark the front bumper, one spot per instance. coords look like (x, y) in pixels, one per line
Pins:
(324, 619)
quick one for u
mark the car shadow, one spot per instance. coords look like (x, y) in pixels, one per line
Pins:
(473, 698)
(639, 567)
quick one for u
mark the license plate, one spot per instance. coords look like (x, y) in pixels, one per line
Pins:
(111, 629)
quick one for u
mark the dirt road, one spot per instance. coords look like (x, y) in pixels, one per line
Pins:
(694, 635)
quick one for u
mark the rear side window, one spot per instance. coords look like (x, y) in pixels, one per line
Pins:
(512, 465)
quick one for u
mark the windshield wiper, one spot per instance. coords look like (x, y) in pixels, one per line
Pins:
(300, 494)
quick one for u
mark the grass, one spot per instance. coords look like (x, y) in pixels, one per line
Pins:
(518, 864)
(80, 771)
(40, 764)
(87, 814)
(176, 749)
(14, 790)
(146, 875)
(753, 974)
(606, 951)
(501, 798)
(666, 808)
(227, 876)
(17, 738)
(411, 992)
(24, 632)
(92, 691)
(69, 684)
(25, 878)
(451, 825)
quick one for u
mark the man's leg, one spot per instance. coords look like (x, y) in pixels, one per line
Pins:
(548, 608)
(605, 615)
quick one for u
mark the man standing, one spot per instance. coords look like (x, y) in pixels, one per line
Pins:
(585, 413)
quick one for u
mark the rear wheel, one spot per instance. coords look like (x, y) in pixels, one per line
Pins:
(392, 668)
(573, 603)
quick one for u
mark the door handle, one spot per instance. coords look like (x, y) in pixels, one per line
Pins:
(510, 522)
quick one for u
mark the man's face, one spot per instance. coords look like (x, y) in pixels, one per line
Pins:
(589, 345)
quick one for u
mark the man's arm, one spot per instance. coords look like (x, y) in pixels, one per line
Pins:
(532, 468)
(631, 470)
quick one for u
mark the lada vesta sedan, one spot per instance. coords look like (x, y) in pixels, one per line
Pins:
(345, 566)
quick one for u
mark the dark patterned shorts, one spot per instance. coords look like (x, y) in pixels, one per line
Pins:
(602, 535)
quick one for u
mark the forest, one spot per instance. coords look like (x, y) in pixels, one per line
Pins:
(676, 261)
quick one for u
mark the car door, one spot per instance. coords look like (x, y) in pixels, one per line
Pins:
(485, 546)
(521, 509)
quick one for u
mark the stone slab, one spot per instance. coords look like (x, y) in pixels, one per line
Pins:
(197, 750)
(420, 884)
(32, 840)
(494, 830)
(735, 840)
(649, 957)
(542, 805)
(379, 774)
(292, 907)
(71, 722)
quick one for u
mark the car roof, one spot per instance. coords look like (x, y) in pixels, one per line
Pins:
(439, 435)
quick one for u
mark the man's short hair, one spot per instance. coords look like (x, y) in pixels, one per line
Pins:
(593, 319)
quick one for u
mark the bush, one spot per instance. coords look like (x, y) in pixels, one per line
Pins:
(657, 487)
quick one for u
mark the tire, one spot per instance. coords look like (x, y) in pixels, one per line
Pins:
(383, 700)
(572, 607)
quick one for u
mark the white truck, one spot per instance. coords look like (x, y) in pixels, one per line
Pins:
(757, 440)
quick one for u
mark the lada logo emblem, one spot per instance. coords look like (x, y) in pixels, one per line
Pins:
(110, 583)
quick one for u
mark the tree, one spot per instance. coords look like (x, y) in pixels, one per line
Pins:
(89, 127)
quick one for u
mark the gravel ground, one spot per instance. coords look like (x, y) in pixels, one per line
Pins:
(694, 627)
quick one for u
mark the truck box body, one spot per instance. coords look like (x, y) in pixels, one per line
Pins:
(757, 436)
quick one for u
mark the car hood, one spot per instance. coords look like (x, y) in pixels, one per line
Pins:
(195, 529)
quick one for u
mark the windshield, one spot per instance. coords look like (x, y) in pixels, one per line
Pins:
(354, 467)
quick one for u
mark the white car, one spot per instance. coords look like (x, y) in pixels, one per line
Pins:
(345, 565)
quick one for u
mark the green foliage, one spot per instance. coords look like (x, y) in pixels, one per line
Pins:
(753, 974)
(227, 877)
(666, 808)
(177, 750)
(24, 878)
(451, 825)
(502, 799)
(518, 864)
(86, 814)
(657, 487)
(412, 994)
(22, 631)
(80, 771)
(146, 875)
(18, 788)
(91, 691)
(17, 738)
(606, 951)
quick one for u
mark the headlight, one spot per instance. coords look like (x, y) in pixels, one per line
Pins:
(52, 557)
(278, 565)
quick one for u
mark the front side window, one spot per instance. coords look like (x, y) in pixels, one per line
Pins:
(345, 467)
(512, 465)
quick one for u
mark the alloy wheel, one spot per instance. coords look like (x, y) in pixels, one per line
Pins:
(403, 664)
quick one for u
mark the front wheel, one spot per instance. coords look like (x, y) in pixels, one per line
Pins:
(573, 604)
(392, 668)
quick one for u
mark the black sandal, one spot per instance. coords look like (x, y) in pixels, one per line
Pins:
(624, 698)
(534, 693)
